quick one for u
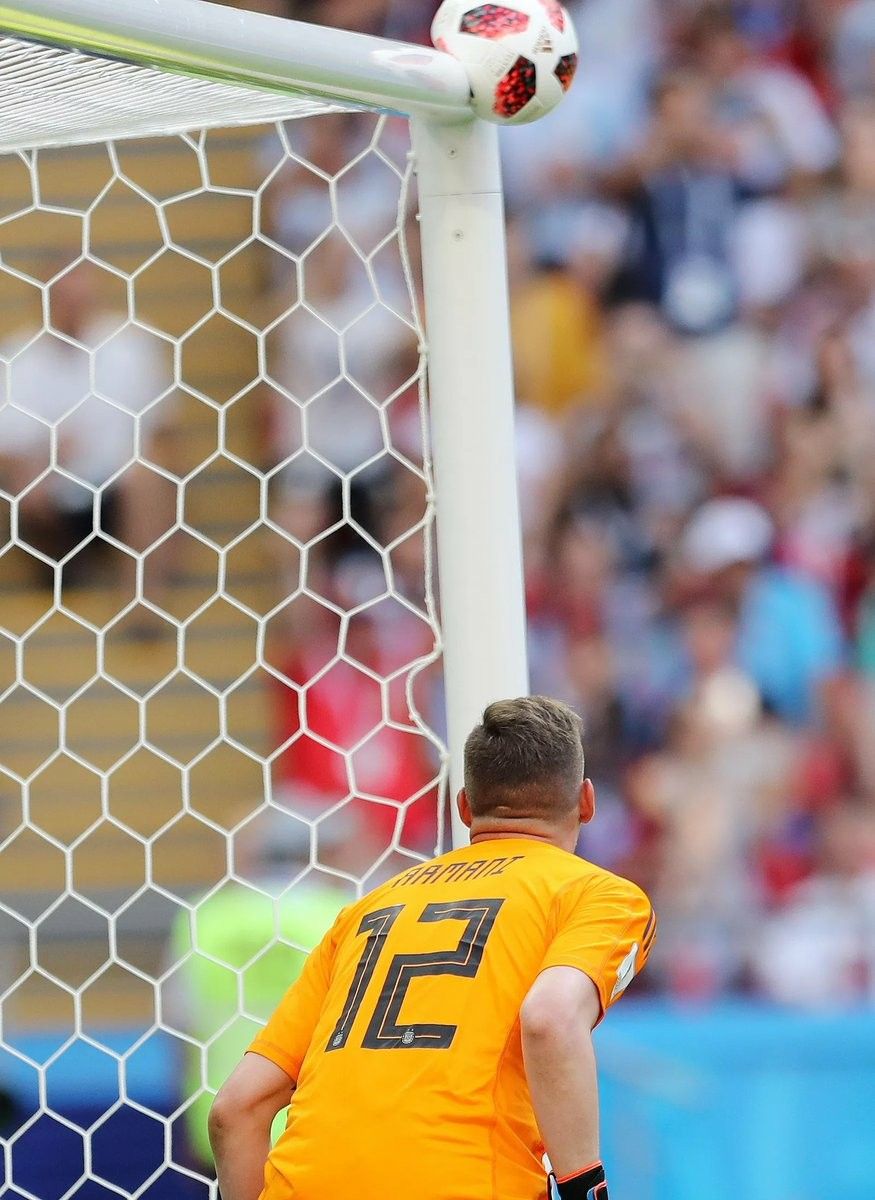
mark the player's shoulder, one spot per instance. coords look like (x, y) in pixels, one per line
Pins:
(602, 879)
(593, 884)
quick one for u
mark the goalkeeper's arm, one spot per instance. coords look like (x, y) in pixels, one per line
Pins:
(557, 1019)
(240, 1122)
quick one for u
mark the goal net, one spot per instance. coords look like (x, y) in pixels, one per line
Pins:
(221, 686)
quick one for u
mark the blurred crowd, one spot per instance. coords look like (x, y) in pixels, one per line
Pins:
(693, 289)
(692, 241)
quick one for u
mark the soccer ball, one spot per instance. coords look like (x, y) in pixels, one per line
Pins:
(520, 55)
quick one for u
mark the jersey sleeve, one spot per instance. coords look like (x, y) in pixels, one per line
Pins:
(287, 1036)
(605, 928)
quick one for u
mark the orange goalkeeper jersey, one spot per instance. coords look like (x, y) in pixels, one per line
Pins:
(402, 1032)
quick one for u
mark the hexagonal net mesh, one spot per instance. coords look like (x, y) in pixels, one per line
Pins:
(218, 632)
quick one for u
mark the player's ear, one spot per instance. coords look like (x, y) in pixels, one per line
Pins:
(464, 808)
(587, 802)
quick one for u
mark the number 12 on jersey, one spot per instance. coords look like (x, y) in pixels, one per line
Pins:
(383, 1031)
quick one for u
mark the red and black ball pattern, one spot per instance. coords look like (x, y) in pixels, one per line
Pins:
(566, 69)
(556, 13)
(516, 89)
(493, 21)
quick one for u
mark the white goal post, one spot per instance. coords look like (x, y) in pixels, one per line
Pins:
(259, 67)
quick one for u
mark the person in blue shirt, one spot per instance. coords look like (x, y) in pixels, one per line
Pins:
(790, 637)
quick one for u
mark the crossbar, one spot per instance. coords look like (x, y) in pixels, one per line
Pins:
(254, 50)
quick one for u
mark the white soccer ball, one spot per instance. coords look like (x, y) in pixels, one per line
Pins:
(520, 55)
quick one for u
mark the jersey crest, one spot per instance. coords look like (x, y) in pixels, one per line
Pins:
(626, 971)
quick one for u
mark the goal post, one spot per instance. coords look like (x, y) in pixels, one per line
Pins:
(471, 386)
(250, 50)
(264, 66)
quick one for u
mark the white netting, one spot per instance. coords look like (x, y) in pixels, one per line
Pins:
(217, 625)
(51, 96)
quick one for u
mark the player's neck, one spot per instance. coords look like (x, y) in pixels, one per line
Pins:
(529, 833)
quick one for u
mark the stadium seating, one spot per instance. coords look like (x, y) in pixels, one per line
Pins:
(218, 360)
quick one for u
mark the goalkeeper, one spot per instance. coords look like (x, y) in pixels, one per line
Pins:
(439, 1040)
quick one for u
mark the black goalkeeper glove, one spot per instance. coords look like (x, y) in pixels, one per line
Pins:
(589, 1184)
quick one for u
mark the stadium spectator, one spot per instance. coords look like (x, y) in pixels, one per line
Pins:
(682, 189)
(336, 359)
(558, 337)
(775, 117)
(332, 167)
(98, 380)
(820, 492)
(717, 789)
(818, 950)
(789, 633)
(351, 747)
(550, 166)
(342, 364)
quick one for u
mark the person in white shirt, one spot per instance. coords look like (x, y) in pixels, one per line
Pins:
(83, 401)
(818, 951)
